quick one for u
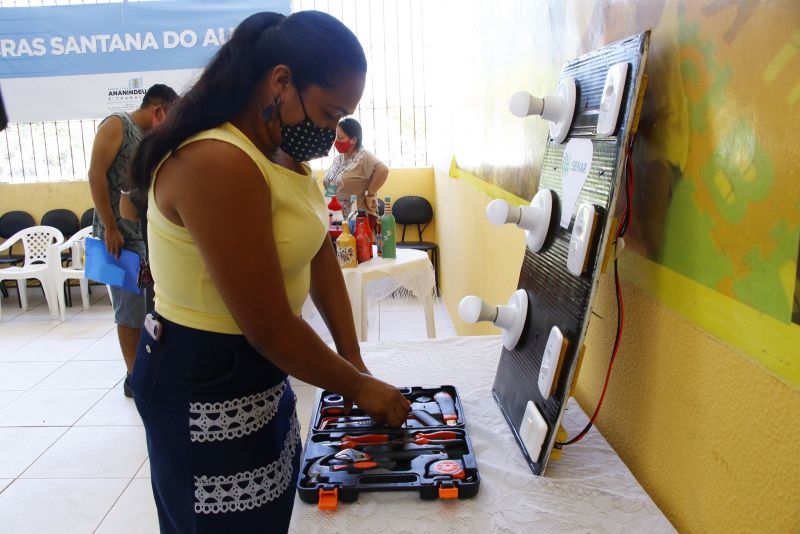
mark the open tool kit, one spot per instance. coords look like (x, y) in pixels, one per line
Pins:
(347, 452)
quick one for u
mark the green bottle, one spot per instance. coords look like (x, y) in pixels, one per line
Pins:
(388, 230)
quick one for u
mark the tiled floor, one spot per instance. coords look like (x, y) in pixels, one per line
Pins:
(72, 447)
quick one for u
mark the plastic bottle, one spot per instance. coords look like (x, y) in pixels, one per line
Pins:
(335, 219)
(351, 218)
(378, 238)
(335, 208)
(363, 239)
(346, 249)
(388, 233)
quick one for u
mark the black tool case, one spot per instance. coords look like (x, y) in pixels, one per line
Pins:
(346, 454)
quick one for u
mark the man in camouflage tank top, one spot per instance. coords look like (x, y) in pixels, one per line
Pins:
(117, 138)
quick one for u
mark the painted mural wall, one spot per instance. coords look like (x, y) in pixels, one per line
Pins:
(717, 194)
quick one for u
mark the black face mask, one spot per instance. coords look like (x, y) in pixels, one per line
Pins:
(303, 141)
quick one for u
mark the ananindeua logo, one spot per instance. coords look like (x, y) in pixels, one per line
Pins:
(126, 98)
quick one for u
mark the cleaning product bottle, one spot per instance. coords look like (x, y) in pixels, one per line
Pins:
(388, 234)
(346, 249)
(363, 238)
(378, 237)
(351, 218)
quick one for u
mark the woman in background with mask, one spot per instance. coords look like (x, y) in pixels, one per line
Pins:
(238, 240)
(355, 171)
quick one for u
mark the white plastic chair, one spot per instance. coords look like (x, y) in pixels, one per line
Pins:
(36, 242)
(74, 272)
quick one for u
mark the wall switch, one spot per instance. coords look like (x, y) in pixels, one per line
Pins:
(581, 239)
(511, 318)
(550, 358)
(534, 219)
(533, 430)
(611, 99)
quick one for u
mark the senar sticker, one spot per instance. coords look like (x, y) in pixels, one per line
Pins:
(575, 167)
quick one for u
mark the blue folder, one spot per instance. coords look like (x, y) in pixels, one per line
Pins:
(104, 268)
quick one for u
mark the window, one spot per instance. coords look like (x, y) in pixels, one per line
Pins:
(393, 111)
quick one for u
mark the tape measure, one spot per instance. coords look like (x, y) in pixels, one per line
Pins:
(449, 468)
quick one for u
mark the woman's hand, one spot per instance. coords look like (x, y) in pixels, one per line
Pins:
(371, 202)
(382, 402)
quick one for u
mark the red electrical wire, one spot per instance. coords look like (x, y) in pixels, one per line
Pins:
(623, 227)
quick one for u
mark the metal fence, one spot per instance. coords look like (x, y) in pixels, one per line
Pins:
(393, 111)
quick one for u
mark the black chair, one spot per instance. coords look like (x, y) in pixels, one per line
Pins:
(11, 223)
(416, 211)
(65, 220)
(87, 218)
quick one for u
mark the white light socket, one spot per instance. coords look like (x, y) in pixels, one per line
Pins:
(534, 219)
(552, 353)
(558, 108)
(511, 318)
(581, 240)
(611, 99)
(533, 430)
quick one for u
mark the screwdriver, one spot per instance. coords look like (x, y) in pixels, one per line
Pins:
(448, 407)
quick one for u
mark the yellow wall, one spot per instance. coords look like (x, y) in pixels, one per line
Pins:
(710, 433)
(38, 199)
(410, 181)
(475, 257)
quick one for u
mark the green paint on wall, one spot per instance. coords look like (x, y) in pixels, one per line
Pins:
(763, 288)
(688, 246)
(693, 48)
(739, 173)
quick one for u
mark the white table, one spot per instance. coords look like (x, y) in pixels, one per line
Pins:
(588, 490)
(380, 277)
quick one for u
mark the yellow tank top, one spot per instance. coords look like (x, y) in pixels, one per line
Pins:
(184, 292)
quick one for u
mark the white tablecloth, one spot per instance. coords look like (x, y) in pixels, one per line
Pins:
(588, 490)
(379, 277)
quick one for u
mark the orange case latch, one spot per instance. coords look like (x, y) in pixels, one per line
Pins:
(448, 492)
(328, 498)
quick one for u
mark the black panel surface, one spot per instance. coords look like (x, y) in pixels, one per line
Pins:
(557, 297)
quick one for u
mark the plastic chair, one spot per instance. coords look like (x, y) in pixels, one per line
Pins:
(416, 211)
(11, 223)
(66, 222)
(74, 272)
(36, 242)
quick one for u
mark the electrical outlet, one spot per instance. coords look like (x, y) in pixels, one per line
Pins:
(552, 353)
(581, 239)
(533, 430)
(611, 99)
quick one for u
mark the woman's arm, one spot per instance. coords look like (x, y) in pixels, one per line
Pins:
(238, 246)
(329, 294)
(379, 175)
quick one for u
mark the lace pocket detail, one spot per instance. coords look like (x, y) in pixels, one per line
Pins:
(235, 418)
(248, 489)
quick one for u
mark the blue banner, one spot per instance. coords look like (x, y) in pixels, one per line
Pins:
(122, 37)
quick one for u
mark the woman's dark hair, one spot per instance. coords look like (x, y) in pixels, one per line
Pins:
(318, 48)
(352, 128)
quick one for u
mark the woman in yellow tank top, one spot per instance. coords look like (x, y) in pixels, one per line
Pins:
(237, 232)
